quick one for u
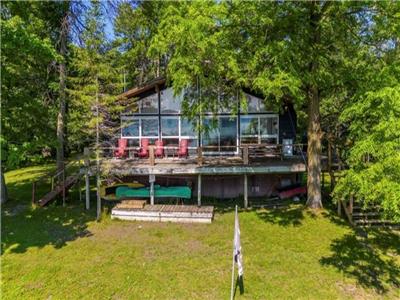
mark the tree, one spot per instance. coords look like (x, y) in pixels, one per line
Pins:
(281, 49)
(27, 81)
(64, 33)
(135, 25)
(94, 82)
(373, 119)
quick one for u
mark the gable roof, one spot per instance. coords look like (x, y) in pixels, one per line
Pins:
(143, 88)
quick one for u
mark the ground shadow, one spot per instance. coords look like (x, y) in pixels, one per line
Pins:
(288, 216)
(239, 283)
(24, 226)
(369, 257)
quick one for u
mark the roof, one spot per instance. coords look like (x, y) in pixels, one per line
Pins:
(143, 88)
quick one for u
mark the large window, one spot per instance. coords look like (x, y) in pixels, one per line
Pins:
(221, 133)
(254, 104)
(169, 102)
(130, 128)
(149, 104)
(149, 127)
(259, 129)
(138, 127)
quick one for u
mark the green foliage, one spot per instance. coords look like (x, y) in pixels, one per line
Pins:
(27, 58)
(135, 25)
(94, 82)
(374, 157)
(372, 118)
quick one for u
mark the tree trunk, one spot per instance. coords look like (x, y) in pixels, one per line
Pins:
(314, 199)
(4, 194)
(314, 152)
(62, 109)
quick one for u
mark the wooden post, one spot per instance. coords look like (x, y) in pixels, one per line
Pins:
(52, 183)
(33, 192)
(87, 179)
(152, 193)
(63, 184)
(199, 156)
(151, 156)
(246, 155)
(245, 192)
(323, 180)
(199, 190)
(351, 204)
(339, 208)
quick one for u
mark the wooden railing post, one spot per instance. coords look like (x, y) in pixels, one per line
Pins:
(199, 156)
(151, 156)
(33, 192)
(246, 155)
(63, 184)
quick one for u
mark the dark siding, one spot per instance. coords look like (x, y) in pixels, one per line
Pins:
(287, 123)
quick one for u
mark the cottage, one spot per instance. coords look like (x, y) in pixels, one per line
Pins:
(252, 153)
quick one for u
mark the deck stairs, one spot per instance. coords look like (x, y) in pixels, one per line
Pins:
(70, 181)
(370, 217)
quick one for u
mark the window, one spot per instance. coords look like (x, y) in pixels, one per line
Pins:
(149, 104)
(170, 126)
(149, 127)
(259, 129)
(220, 133)
(130, 128)
(169, 102)
(254, 104)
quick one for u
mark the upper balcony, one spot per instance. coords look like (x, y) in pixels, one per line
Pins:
(207, 160)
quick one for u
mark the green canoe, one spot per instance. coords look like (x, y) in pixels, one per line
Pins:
(183, 192)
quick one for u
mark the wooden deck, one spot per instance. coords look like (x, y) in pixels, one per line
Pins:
(210, 166)
(164, 213)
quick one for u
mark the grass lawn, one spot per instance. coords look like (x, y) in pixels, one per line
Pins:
(62, 253)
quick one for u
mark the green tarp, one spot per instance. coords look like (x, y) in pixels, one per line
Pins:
(159, 192)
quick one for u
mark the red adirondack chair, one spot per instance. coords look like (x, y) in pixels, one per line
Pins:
(121, 151)
(159, 151)
(144, 148)
(183, 149)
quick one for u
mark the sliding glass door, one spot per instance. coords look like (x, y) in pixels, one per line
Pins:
(220, 134)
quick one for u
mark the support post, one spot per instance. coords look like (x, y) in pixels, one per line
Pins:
(339, 208)
(245, 194)
(246, 155)
(33, 192)
(151, 155)
(152, 193)
(52, 183)
(87, 179)
(199, 190)
(199, 156)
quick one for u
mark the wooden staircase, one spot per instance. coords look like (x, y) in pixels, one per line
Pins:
(58, 190)
(370, 217)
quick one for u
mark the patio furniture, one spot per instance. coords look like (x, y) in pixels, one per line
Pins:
(121, 151)
(144, 148)
(183, 148)
(159, 152)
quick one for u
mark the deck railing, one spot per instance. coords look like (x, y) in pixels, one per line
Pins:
(247, 153)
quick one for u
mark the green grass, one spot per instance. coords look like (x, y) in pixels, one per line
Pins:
(62, 253)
